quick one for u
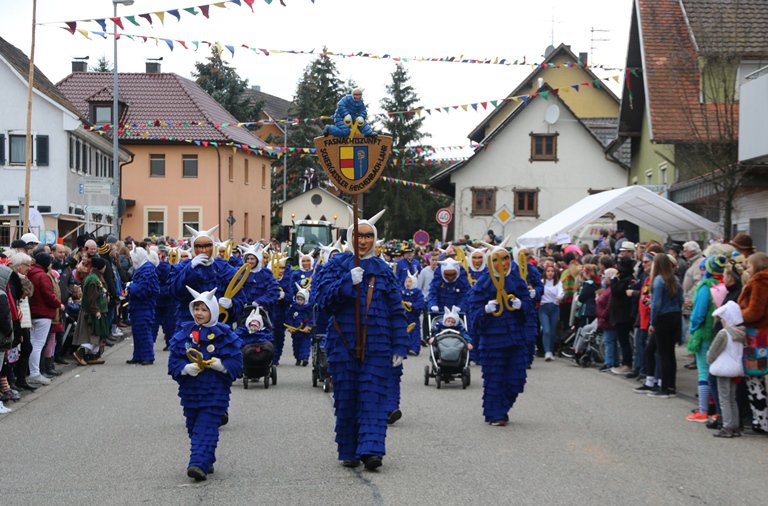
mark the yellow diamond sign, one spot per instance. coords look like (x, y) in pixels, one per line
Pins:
(503, 215)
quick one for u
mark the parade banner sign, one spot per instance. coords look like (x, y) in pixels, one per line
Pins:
(353, 165)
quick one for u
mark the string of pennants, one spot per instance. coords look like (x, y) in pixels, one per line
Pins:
(220, 47)
(412, 184)
(475, 106)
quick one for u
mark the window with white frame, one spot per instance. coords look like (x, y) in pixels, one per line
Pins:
(155, 221)
(663, 174)
(648, 177)
(191, 217)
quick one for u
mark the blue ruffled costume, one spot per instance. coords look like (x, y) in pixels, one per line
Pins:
(142, 298)
(502, 342)
(279, 313)
(360, 389)
(443, 294)
(165, 309)
(203, 278)
(246, 337)
(355, 108)
(405, 266)
(300, 315)
(205, 397)
(261, 288)
(416, 298)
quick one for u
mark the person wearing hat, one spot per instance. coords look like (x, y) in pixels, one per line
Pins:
(701, 329)
(620, 311)
(92, 325)
(407, 265)
(279, 311)
(449, 286)
(261, 289)
(627, 249)
(19, 246)
(142, 301)
(743, 243)
(361, 364)
(30, 240)
(165, 306)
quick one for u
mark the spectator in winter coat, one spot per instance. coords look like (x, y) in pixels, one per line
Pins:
(43, 304)
(620, 311)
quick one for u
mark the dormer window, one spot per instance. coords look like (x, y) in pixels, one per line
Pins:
(102, 114)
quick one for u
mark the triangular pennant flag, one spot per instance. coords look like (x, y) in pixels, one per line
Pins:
(118, 22)
(204, 9)
(236, 2)
(464, 106)
(231, 49)
(147, 17)
(196, 43)
(132, 19)
(616, 78)
(102, 24)
(218, 48)
(161, 16)
(104, 35)
(494, 103)
(525, 99)
(575, 87)
(84, 33)
(72, 26)
(220, 4)
(474, 106)
(169, 42)
(249, 3)
(545, 94)
(191, 10)
(175, 13)
(183, 44)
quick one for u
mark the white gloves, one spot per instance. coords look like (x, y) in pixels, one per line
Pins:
(225, 302)
(357, 275)
(532, 291)
(216, 365)
(397, 360)
(359, 120)
(191, 369)
(434, 309)
(348, 119)
(199, 260)
(282, 294)
(517, 304)
(491, 306)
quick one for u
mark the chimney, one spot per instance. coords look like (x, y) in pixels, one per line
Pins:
(153, 67)
(583, 59)
(256, 87)
(79, 66)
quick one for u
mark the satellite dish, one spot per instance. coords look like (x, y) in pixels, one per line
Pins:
(550, 49)
(552, 114)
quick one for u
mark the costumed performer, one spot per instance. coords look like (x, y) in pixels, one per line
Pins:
(350, 112)
(413, 303)
(299, 322)
(280, 308)
(261, 289)
(448, 287)
(142, 301)
(165, 307)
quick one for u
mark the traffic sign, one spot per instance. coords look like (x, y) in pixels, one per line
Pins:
(444, 216)
(421, 238)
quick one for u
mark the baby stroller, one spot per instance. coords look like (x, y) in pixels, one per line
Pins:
(257, 357)
(319, 356)
(584, 345)
(448, 355)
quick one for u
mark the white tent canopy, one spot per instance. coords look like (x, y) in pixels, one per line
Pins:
(636, 204)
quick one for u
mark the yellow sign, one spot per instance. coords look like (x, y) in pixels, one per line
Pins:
(353, 165)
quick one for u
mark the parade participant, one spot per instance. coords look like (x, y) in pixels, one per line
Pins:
(413, 302)
(299, 322)
(477, 265)
(451, 320)
(303, 275)
(360, 363)
(448, 286)
(142, 301)
(236, 258)
(350, 114)
(498, 305)
(530, 273)
(407, 265)
(204, 273)
(164, 307)
(280, 308)
(253, 331)
(261, 289)
(204, 360)
(92, 325)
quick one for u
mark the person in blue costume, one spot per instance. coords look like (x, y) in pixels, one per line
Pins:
(321, 317)
(203, 273)
(413, 303)
(253, 331)
(261, 289)
(165, 307)
(236, 258)
(279, 310)
(350, 111)
(498, 304)
(361, 364)
(407, 265)
(204, 360)
(451, 320)
(532, 276)
(303, 275)
(299, 322)
(476, 262)
(142, 299)
(448, 287)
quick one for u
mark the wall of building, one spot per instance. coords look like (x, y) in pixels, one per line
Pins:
(652, 164)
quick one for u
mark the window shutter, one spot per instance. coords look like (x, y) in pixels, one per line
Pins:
(41, 150)
(2, 149)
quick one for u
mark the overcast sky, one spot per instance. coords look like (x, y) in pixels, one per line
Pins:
(408, 28)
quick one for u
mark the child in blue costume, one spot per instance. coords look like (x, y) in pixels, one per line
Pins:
(300, 317)
(279, 311)
(360, 380)
(451, 320)
(204, 389)
(204, 273)
(498, 305)
(142, 298)
(350, 109)
(413, 302)
(165, 307)
(253, 331)
(448, 287)
(303, 275)
(262, 288)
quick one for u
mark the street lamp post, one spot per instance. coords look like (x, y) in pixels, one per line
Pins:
(115, 158)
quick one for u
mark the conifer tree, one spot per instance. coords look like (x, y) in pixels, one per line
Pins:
(224, 84)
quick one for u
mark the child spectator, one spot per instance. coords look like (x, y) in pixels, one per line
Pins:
(724, 358)
(299, 322)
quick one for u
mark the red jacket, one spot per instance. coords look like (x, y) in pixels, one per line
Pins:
(43, 303)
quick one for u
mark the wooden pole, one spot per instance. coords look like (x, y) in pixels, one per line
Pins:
(31, 81)
(359, 351)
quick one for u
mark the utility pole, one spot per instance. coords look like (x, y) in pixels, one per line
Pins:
(31, 81)
(592, 41)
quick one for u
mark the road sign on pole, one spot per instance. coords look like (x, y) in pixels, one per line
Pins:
(444, 216)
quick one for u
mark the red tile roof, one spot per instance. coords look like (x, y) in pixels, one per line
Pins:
(161, 97)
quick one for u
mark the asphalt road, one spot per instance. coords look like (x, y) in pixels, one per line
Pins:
(114, 434)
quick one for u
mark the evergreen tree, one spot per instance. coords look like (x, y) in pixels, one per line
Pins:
(102, 65)
(408, 208)
(223, 83)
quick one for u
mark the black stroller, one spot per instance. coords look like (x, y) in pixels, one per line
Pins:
(448, 356)
(257, 357)
(319, 356)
